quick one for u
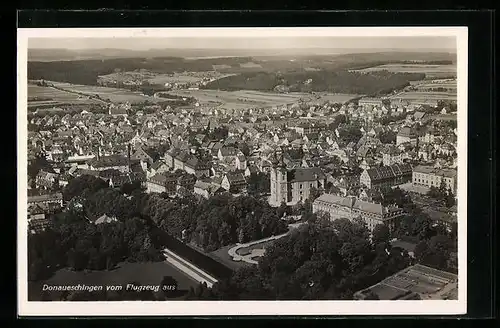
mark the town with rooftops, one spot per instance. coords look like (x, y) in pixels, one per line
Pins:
(235, 193)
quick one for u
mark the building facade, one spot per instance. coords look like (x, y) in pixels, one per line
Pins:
(428, 176)
(386, 176)
(182, 160)
(351, 207)
(162, 183)
(294, 186)
(112, 162)
(53, 199)
(406, 135)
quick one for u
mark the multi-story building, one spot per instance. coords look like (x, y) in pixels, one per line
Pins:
(46, 180)
(391, 156)
(347, 183)
(162, 183)
(54, 200)
(234, 182)
(37, 218)
(428, 176)
(185, 161)
(116, 162)
(294, 186)
(186, 182)
(406, 134)
(351, 207)
(206, 189)
(386, 176)
(306, 129)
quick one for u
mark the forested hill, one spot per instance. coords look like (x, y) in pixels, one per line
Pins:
(86, 71)
(342, 81)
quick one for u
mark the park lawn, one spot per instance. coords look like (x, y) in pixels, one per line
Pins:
(247, 250)
(223, 257)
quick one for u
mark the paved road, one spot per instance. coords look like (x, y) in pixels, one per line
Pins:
(257, 252)
(188, 268)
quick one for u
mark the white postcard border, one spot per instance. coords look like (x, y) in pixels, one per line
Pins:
(226, 308)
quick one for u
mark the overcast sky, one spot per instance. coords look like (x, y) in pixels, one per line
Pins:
(142, 43)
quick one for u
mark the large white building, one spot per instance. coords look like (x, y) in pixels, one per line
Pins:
(428, 176)
(351, 207)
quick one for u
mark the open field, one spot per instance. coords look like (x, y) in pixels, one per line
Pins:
(114, 95)
(159, 78)
(444, 83)
(250, 65)
(47, 96)
(150, 273)
(421, 95)
(432, 71)
(225, 99)
(250, 98)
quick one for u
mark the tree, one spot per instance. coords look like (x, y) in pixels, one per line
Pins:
(421, 251)
(422, 227)
(78, 185)
(259, 183)
(243, 146)
(380, 234)
(128, 188)
(38, 163)
(314, 193)
(387, 137)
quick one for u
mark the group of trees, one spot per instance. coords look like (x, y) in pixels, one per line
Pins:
(350, 133)
(333, 259)
(436, 243)
(339, 119)
(442, 194)
(87, 71)
(218, 133)
(74, 241)
(258, 184)
(392, 196)
(337, 81)
(320, 260)
(387, 137)
(82, 186)
(210, 224)
(38, 163)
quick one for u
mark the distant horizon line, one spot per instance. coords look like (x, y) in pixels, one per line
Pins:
(448, 50)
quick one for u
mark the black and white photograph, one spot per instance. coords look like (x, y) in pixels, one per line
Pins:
(254, 171)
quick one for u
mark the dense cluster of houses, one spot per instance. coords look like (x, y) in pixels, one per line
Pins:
(170, 150)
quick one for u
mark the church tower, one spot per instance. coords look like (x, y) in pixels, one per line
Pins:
(278, 180)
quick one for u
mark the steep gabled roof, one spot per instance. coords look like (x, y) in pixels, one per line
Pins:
(305, 174)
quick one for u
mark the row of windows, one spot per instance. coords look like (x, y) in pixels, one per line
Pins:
(433, 183)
